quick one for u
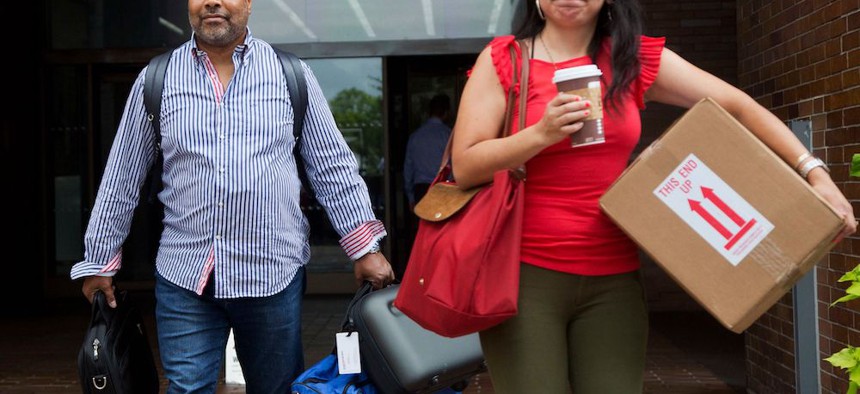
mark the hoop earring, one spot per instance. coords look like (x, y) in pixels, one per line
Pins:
(540, 11)
(609, 13)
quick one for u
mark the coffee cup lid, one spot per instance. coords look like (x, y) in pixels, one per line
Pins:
(566, 74)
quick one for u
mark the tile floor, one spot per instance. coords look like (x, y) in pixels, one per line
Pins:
(689, 352)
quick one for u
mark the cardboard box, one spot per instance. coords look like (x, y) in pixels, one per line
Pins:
(722, 214)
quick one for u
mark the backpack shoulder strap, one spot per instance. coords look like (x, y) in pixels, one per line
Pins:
(298, 89)
(153, 86)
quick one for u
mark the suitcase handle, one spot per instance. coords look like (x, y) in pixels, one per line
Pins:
(348, 325)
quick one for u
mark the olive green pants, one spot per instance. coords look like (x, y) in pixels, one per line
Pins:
(587, 334)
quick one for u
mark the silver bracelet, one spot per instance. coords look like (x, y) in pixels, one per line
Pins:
(810, 165)
(800, 160)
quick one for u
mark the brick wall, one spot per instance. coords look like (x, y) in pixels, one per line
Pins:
(801, 59)
(703, 32)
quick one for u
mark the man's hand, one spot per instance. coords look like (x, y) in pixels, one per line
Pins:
(374, 268)
(92, 284)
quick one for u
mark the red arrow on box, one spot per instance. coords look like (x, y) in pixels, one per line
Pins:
(719, 203)
(699, 209)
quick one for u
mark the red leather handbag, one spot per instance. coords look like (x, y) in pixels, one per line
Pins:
(463, 273)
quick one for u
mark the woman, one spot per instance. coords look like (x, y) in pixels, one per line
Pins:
(583, 320)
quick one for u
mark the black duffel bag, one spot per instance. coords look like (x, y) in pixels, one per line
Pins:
(115, 356)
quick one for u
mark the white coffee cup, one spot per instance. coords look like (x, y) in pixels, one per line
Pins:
(584, 81)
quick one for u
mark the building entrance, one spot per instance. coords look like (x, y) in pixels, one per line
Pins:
(411, 83)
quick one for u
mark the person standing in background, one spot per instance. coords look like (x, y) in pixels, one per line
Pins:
(425, 148)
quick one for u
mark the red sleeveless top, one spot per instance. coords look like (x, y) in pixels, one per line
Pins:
(564, 228)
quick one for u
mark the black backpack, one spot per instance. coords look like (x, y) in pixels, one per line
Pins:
(154, 86)
(115, 357)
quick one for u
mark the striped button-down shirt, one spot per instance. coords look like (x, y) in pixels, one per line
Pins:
(231, 186)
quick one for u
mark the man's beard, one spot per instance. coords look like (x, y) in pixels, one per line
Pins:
(220, 35)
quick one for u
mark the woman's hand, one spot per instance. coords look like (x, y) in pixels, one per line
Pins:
(821, 182)
(563, 116)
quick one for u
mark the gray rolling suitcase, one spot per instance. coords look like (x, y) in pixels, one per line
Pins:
(402, 357)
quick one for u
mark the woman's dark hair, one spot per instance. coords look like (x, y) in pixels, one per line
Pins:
(624, 29)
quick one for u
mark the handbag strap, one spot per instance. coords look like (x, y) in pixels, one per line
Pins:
(523, 80)
(520, 172)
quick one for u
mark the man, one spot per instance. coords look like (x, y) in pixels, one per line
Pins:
(235, 242)
(425, 148)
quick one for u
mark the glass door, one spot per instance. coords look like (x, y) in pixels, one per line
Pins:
(83, 107)
(353, 89)
(411, 83)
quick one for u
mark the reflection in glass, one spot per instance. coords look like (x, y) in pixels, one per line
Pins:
(155, 23)
(353, 88)
(289, 21)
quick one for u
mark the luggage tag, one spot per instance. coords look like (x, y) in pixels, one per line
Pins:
(348, 356)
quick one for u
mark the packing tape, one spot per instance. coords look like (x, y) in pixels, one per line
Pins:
(775, 263)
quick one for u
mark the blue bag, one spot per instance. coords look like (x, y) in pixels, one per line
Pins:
(323, 378)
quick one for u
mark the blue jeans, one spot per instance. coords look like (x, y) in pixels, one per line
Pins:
(193, 332)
